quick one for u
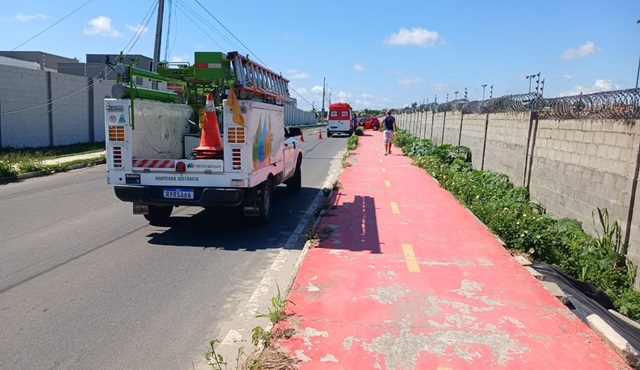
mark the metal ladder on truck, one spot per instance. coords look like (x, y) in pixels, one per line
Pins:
(255, 80)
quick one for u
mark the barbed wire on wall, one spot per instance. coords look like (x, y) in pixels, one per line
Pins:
(618, 104)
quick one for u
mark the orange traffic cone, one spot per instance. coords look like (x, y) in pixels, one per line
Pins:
(210, 140)
(319, 135)
(302, 137)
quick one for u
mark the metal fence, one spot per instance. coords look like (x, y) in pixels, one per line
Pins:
(619, 104)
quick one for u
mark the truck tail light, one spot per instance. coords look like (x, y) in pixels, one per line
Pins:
(236, 158)
(181, 167)
(116, 156)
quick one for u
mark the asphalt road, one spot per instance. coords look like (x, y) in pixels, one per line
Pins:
(85, 284)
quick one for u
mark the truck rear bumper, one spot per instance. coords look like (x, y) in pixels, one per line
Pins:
(203, 197)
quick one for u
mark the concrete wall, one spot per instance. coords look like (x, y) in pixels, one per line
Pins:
(507, 144)
(23, 108)
(582, 165)
(39, 108)
(473, 133)
(70, 109)
(452, 128)
(571, 167)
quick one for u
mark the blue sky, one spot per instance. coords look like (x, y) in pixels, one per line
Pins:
(373, 54)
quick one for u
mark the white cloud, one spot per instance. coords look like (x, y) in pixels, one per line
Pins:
(344, 96)
(439, 86)
(30, 17)
(407, 82)
(567, 77)
(317, 89)
(599, 85)
(359, 68)
(413, 37)
(140, 29)
(582, 51)
(101, 26)
(366, 96)
(294, 74)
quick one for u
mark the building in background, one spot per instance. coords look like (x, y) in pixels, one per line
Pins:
(47, 62)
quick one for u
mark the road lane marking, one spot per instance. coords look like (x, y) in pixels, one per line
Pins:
(387, 183)
(410, 257)
(394, 208)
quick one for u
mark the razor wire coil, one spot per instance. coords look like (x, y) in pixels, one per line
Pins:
(618, 104)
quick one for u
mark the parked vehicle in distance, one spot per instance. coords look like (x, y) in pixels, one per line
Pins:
(372, 123)
(340, 119)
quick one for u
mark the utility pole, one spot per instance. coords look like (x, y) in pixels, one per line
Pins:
(156, 48)
(323, 85)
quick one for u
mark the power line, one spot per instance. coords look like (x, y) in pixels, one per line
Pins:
(202, 20)
(143, 25)
(201, 29)
(166, 46)
(48, 28)
(246, 47)
(231, 33)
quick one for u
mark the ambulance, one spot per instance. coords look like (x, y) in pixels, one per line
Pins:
(340, 120)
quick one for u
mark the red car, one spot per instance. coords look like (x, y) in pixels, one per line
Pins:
(370, 123)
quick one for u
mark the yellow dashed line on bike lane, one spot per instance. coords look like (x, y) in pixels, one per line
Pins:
(394, 208)
(410, 257)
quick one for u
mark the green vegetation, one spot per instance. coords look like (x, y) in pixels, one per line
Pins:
(352, 142)
(525, 228)
(14, 162)
(266, 358)
(359, 131)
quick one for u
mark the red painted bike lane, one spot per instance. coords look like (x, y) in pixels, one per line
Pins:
(409, 279)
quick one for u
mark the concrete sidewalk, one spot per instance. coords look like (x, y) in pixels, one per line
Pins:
(73, 158)
(409, 279)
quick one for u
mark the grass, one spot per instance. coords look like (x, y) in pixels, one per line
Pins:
(16, 161)
(268, 357)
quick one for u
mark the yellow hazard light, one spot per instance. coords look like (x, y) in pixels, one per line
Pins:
(116, 133)
(236, 135)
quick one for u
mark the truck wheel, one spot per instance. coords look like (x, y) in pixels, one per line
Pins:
(294, 184)
(265, 201)
(159, 215)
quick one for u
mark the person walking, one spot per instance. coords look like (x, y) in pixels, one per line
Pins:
(389, 128)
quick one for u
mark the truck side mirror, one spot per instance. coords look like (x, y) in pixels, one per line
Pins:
(294, 131)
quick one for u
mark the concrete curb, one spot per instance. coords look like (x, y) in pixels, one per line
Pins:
(620, 345)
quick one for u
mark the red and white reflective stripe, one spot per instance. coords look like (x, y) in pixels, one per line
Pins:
(153, 163)
(208, 65)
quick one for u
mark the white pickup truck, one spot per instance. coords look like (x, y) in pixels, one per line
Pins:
(149, 162)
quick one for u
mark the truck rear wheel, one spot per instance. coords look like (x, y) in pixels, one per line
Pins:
(159, 215)
(294, 184)
(265, 200)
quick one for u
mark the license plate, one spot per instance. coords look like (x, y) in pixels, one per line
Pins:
(177, 193)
